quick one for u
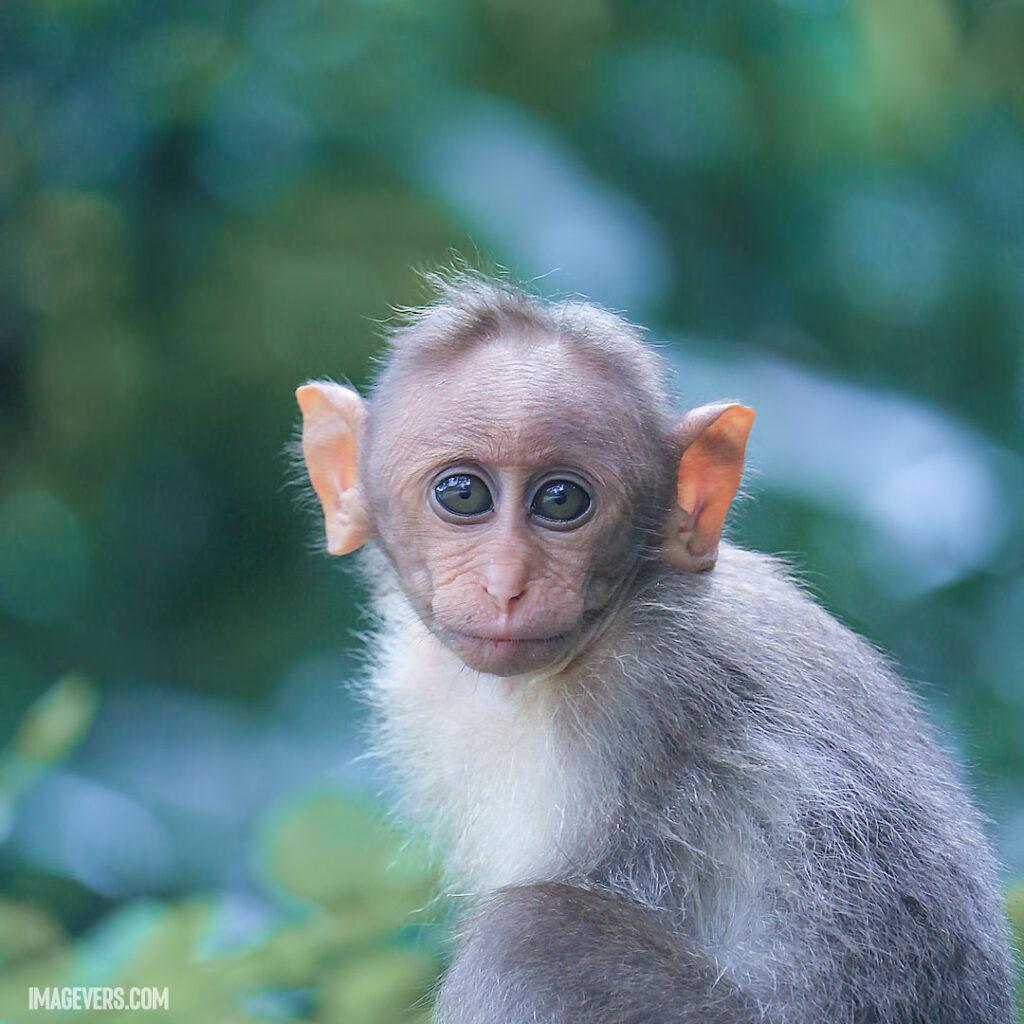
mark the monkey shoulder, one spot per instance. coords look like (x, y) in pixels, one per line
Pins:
(751, 614)
(785, 683)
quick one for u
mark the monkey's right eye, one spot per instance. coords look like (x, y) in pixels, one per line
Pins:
(463, 494)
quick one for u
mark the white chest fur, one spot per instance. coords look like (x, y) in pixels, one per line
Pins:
(490, 767)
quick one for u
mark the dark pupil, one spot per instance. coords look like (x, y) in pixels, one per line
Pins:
(562, 500)
(463, 495)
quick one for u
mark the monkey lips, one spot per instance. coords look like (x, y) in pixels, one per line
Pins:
(505, 655)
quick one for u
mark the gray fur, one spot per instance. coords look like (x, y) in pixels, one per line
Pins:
(780, 837)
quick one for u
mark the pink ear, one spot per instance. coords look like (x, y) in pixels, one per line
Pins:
(332, 421)
(715, 439)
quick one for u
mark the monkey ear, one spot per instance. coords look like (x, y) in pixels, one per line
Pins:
(713, 440)
(332, 421)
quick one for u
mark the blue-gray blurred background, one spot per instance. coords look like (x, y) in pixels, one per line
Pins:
(816, 205)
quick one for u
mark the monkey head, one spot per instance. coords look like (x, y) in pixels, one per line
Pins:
(518, 485)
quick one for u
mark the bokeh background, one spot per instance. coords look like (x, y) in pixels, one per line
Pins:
(816, 205)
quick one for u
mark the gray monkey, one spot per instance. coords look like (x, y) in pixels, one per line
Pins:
(676, 789)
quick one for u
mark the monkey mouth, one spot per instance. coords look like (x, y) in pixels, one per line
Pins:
(509, 638)
(506, 654)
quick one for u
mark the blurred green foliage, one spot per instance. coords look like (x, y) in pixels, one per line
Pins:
(358, 941)
(204, 204)
(47, 734)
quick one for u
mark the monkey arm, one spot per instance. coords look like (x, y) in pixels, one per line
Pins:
(559, 954)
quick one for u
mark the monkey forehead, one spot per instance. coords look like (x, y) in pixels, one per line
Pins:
(520, 403)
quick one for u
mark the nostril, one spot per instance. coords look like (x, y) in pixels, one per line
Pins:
(504, 597)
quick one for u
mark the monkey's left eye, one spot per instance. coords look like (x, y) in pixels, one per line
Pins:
(560, 501)
(463, 494)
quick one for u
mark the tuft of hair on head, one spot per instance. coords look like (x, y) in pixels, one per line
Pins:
(467, 307)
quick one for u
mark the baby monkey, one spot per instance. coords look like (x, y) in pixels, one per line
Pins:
(677, 789)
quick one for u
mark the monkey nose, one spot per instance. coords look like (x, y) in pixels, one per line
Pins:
(505, 585)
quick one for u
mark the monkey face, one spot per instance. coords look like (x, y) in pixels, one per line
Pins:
(506, 518)
(501, 567)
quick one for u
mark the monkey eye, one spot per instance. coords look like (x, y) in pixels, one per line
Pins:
(463, 494)
(560, 501)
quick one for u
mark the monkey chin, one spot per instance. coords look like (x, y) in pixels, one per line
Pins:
(512, 657)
